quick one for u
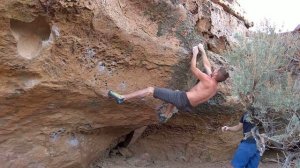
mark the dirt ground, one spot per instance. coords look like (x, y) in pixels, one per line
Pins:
(144, 162)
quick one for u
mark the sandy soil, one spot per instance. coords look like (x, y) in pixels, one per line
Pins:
(135, 162)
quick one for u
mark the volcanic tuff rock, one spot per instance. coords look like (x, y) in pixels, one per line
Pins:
(59, 58)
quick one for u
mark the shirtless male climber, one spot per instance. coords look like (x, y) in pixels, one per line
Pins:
(184, 101)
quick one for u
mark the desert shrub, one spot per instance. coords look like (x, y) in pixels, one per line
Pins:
(266, 70)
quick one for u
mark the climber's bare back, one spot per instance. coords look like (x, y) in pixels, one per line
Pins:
(202, 91)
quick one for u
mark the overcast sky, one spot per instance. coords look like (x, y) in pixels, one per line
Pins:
(280, 12)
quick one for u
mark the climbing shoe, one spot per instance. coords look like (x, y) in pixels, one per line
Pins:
(119, 99)
(163, 118)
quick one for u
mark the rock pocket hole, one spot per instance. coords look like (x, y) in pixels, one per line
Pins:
(132, 137)
(127, 140)
(29, 36)
(120, 148)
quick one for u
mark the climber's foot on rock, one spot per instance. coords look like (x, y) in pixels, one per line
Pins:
(118, 98)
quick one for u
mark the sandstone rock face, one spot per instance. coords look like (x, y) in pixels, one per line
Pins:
(59, 58)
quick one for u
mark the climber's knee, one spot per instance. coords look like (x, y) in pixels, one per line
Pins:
(150, 90)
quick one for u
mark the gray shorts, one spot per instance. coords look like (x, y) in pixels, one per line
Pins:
(177, 98)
